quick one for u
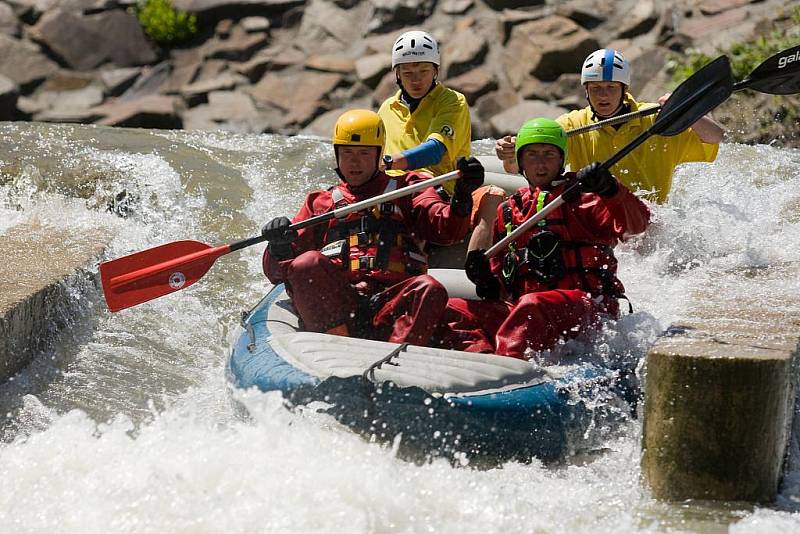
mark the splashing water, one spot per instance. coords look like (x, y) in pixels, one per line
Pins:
(126, 424)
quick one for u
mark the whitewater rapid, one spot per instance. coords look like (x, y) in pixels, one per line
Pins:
(126, 423)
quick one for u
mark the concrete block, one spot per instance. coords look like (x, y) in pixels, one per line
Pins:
(719, 398)
(34, 298)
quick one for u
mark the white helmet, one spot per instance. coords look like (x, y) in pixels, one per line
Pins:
(415, 46)
(606, 65)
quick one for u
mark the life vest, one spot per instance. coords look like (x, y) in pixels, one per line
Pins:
(375, 244)
(548, 257)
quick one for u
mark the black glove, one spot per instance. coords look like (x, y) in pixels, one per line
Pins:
(471, 179)
(471, 174)
(594, 179)
(280, 235)
(487, 286)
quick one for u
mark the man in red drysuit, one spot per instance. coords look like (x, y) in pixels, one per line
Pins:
(364, 274)
(558, 279)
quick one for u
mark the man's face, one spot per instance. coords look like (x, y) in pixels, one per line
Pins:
(541, 162)
(416, 77)
(605, 97)
(358, 163)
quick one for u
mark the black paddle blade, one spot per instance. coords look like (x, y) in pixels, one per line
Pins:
(777, 75)
(697, 95)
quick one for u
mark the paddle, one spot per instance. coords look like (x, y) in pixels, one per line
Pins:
(159, 271)
(697, 95)
(777, 75)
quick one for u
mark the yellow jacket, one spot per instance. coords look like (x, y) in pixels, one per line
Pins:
(443, 114)
(649, 167)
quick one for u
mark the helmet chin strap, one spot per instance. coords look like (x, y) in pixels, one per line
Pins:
(342, 178)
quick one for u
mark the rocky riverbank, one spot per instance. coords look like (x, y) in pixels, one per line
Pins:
(292, 66)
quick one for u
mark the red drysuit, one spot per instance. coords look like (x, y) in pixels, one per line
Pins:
(548, 296)
(367, 271)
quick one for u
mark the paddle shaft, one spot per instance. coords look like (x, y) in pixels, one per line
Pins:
(738, 86)
(338, 213)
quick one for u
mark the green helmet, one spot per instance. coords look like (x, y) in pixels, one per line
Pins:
(545, 131)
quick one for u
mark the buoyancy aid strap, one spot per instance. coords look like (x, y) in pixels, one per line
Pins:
(540, 203)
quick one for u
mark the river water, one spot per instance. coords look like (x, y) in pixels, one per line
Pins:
(126, 423)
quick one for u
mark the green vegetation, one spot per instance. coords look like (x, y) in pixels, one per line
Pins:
(163, 23)
(748, 116)
(744, 56)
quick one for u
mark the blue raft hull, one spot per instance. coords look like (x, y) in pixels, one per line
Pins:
(455, 405)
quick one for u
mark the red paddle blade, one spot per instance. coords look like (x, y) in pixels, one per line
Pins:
(159, 271)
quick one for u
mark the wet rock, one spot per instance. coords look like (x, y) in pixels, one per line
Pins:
(88, 7)
(567, 86)
(229, 111)
(151, 111)
(177, 78)
(271, 59)
(715, 7)
(83, 42)
(9, 93)
(510, 120)
(646, 68)
(326, 28)
(9, 24)
(371, 69)
(220, 9)
(24, 63)
(456, 7)
(75, 99)
(123, 204)
(116, 81)
(386, 87)
(212, 69)
(511, 18)
(641, 19)
(587, 13)
(549, 47)
(330, 63)
(534, 89)
(490, 105)
(465, 51)
(379, 44)
(323, 125)
(394, 14)
(473, 84)
(68, 80)
(255, 24)
(150, 82)
(29, 106)
(500, 5)
(718, 28)
(197, 92)
(238, 45)
(68, 115)
(301, 97)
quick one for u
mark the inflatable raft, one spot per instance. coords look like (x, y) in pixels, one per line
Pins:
(480, 407)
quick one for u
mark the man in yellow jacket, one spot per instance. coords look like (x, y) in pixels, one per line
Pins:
(428, 126)
(606, 78)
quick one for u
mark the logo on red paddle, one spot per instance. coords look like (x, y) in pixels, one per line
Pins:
(177, 280)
